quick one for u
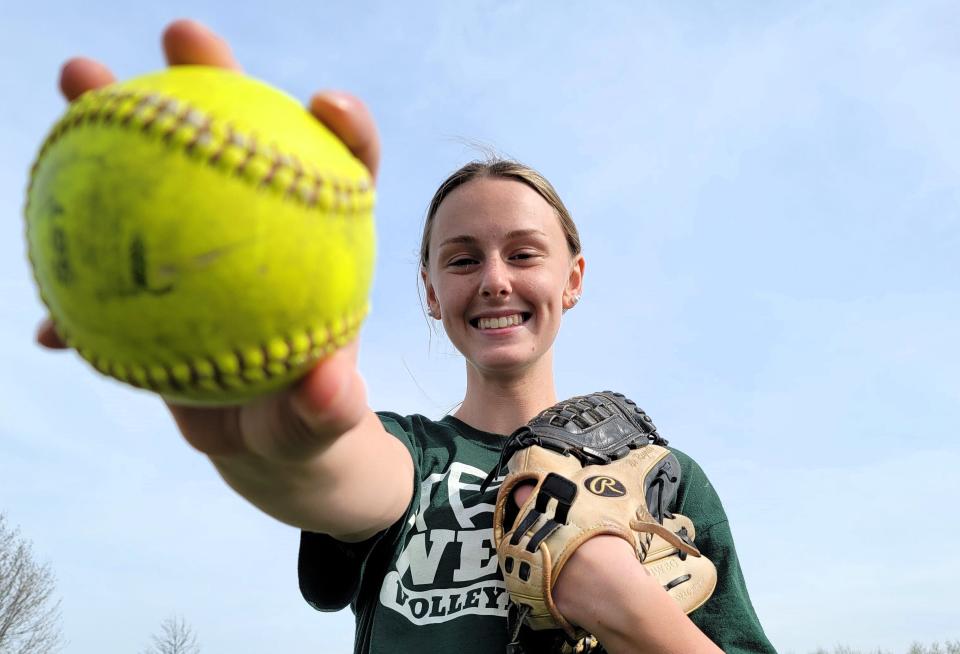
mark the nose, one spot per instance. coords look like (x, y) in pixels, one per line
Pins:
(496, 280)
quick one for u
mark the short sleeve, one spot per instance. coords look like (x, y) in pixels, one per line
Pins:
(331, 571)
(728, 617)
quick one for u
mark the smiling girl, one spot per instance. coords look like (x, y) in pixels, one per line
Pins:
(391, 515)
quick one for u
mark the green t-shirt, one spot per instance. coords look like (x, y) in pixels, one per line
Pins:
(430, 583)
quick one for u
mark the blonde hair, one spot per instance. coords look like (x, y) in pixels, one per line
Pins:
(506, 169)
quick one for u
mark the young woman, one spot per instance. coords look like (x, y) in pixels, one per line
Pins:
(392, 518)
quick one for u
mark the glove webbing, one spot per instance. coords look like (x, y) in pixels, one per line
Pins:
(575, 415)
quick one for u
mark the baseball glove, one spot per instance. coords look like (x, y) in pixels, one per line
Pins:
(600, 468)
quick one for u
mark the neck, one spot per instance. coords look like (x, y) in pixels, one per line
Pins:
(500, 403)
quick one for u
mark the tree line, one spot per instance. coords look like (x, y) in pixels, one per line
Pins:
(30, 618)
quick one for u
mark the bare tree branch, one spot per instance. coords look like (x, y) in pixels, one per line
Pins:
(29, 617)
(176, 637)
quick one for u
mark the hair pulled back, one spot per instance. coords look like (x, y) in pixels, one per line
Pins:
(504, 169)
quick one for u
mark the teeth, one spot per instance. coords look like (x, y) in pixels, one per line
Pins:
(501, 322)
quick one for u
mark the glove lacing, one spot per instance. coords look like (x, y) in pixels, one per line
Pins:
(577, 414)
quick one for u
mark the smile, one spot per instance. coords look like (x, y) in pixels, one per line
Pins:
(501, 321)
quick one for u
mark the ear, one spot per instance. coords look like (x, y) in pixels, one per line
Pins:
(433, 306)
(574, 282)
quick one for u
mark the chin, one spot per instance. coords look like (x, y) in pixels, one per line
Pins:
(504, 364)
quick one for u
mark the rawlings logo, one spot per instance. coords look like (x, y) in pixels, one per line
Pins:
(605, 486)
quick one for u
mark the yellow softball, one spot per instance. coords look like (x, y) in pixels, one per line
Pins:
(200, 234)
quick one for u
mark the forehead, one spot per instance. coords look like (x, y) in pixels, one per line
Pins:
(489, 207)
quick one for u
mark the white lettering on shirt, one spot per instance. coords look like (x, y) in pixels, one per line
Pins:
(430, 581)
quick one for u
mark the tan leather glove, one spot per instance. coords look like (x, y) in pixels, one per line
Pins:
(599, 468)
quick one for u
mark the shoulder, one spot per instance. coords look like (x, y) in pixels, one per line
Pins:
(411, 424)
(691, 470)
(696, 496)
(438, 444)
(444, 430)
(417, 431)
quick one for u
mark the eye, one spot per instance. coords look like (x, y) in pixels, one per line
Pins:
(524, 256)
(460, 262)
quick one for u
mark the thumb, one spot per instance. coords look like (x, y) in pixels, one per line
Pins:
(332, 399)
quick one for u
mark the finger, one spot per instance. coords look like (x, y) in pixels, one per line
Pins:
(352, 122)
(80, 75)
(189, 42)
(522, 491)
(47, 336)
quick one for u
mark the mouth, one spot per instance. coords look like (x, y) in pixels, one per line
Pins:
(501, 322)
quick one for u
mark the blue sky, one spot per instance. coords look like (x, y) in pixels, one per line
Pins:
(768, 198)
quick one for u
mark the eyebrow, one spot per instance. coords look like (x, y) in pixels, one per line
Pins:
(517, 233)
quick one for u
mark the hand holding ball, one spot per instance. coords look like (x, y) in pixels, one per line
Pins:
(200, 234)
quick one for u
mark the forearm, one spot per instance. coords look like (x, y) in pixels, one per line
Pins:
(605, 590)
(313, 456)
(353, 486)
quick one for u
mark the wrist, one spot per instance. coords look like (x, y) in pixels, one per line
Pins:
(605, 590)
(599, 583)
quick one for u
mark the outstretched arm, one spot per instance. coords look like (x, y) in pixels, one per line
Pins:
(314, 456)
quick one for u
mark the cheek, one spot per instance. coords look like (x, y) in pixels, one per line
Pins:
(451, 295)
(549, 286)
